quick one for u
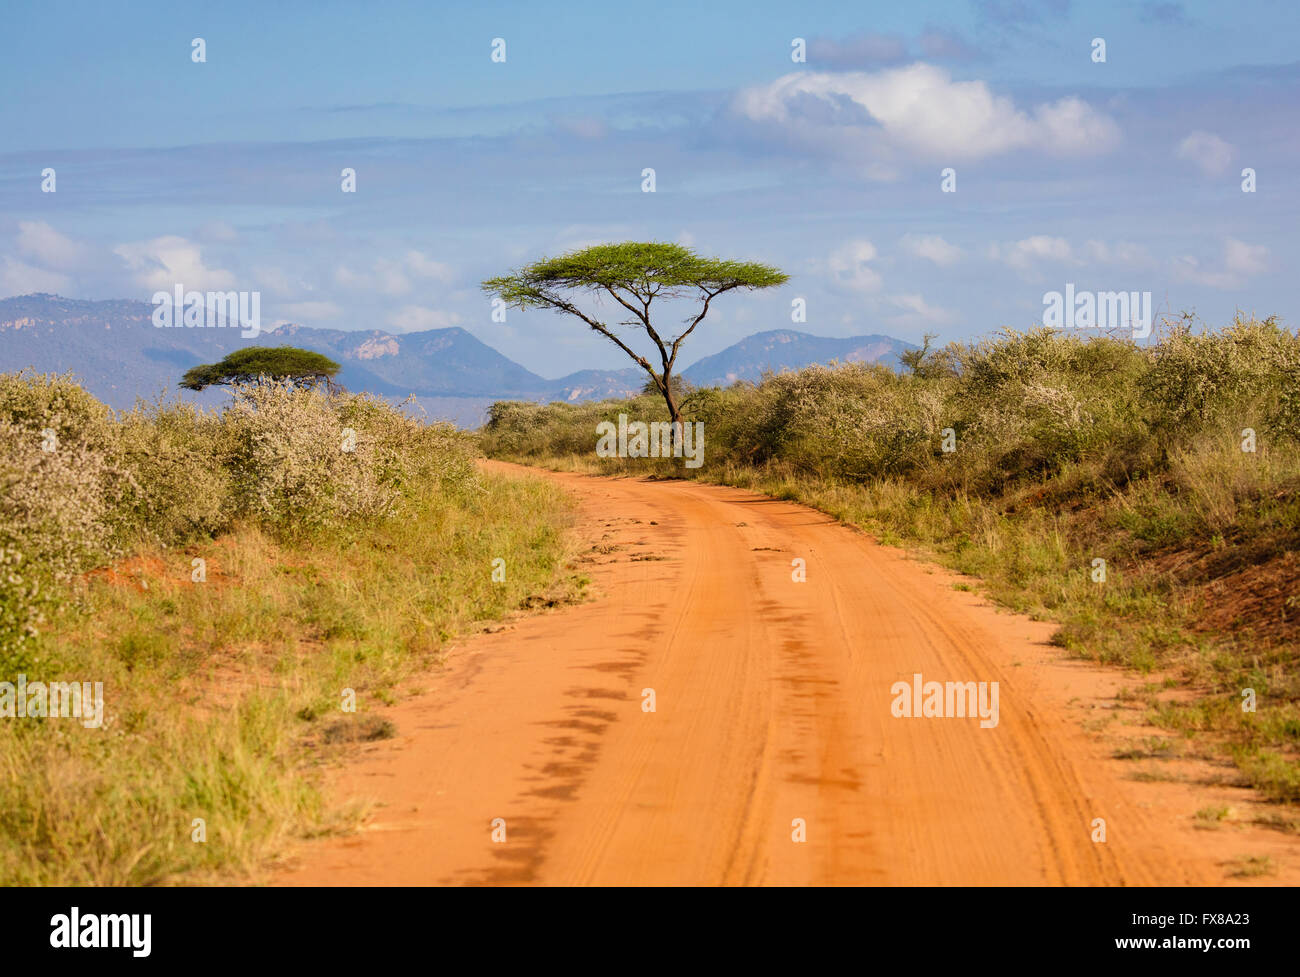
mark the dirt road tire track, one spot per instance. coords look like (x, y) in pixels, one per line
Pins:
(772, 704)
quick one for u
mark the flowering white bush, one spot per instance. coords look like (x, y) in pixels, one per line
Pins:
(301, 459)
(54, 521)
(80, 486)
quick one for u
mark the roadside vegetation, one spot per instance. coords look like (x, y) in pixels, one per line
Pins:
(1176, 463)
(228, 576)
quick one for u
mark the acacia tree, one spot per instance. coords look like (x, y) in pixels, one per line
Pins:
(298, 366)
(634, 274)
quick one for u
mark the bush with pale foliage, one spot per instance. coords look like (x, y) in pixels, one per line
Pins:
(80, 486)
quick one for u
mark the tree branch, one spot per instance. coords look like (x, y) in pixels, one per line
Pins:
(559, 303)
(644, 316)
(696, 321)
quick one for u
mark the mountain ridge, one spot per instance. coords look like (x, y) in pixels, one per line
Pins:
(118, 353)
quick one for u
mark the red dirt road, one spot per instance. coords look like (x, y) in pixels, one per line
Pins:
(772, 707)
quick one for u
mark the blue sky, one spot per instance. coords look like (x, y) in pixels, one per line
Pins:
(226, 174)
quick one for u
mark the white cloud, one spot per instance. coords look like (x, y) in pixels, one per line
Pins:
(422, 266)
(277, 281)
(413, 318)
(165, 262)
(1026, 253)
(1029, 253)
(19, 278)
(1207, 151)
(392, 276)
(849, 266)
(39, 240)
(920, 111)
(1244, 259)
(347, 278)
(932, 247)
(919, 312)
(1240, 262)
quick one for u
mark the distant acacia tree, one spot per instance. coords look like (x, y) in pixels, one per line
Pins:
(914, 359)
(301, 367)
(928, 363)
(634, 274)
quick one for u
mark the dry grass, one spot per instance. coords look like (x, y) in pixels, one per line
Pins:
(222, 694)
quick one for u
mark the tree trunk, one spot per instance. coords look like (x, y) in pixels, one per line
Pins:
(674, 413)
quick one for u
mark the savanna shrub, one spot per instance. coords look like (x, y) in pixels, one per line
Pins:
(1022, 407)
(854, 421)
(80, 485)
(181, 487)
(1247, 374)
(58, 488)
(53, 522)
(302, 460)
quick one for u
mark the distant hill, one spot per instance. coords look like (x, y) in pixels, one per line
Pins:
(600, 384)
(437, 362)
(786, 349)
(119, 355)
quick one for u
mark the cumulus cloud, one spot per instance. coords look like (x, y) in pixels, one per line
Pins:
(1028, 253)
(1240, 261)
(162, 263)
(849, 267)
(932, 247)
(1025, 254)
(1245, 259)
(1212, 154)
(919, 111)
(20, 278)
(918, 312)
(39, 240)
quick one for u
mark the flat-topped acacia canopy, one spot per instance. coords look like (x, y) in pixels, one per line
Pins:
(634, 274)
(249, 364)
